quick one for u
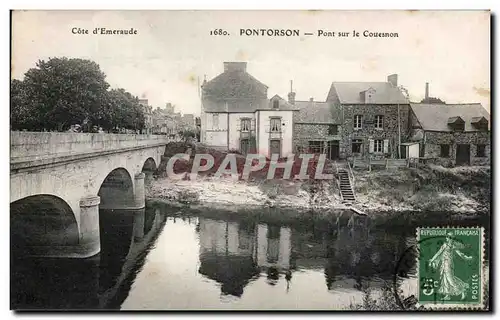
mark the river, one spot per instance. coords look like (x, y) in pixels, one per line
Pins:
(162, 259)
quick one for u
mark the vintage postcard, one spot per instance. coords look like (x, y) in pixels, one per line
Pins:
(250, 160)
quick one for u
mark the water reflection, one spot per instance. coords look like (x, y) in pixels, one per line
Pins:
(234, 254)
(93, 283)
(156, 259)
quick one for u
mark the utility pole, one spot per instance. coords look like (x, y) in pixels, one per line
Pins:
(399, 133)
(404, 91)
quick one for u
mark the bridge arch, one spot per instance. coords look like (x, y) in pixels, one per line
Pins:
(41, 222)
(149, 165)
(116, 190)
(148, 169)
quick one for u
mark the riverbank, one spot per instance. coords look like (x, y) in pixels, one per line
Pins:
(462, 190)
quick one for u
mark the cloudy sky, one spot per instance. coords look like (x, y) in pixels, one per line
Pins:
(448, 49)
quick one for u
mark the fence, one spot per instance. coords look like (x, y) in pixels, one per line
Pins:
(383, 163)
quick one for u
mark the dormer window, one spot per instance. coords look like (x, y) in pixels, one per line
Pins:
(456, 123)
(276, 104)
(480, 123)
(367, 95)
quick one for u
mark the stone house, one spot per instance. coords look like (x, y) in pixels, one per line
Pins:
(148, 116)
(237, 114)
(316, 128)
(452, 134)
(374, 118)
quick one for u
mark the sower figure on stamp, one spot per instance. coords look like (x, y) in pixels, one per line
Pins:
(449, 284)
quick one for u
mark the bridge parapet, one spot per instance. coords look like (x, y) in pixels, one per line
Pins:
(38, 145)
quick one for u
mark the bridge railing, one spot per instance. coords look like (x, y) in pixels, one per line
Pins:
(49, 144)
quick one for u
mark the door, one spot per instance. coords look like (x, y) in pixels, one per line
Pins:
(403, 151)
(333, 150)
(275, 147)
(244, 143)
(463, 154)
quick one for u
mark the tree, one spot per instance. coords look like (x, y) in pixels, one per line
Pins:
(121, 110)
(187, 134)
(22, 112)
(61, 92)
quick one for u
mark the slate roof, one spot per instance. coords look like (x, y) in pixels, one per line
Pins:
(436, 116)
(385, 92)
(245, 105)
(234, 84)
(315, 112)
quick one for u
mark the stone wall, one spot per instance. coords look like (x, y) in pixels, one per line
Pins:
(43, 144)
(390, 129)
(434, 140)
(305, 132)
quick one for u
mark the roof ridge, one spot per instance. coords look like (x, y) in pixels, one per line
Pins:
(360, 82)
(448, 104)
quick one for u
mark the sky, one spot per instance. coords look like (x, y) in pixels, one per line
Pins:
(173, 49)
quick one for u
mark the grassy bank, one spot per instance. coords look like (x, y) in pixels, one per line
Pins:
(464, 190)
(431, 189)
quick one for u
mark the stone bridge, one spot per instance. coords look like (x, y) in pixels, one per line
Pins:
(59, 181)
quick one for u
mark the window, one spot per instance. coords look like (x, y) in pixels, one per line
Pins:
(356, 145)
(358, 121)
(379, 122)
(459, 127)
(276, 104)
(245, 125)
(378, 146)
(445, 151)
(275, 125)
(480, 150)
(316, 146)
(215, 121)
(333, 129)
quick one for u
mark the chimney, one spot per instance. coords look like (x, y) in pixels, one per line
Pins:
(393, 79)
(291, 94)
(426, 90)
(311, 99)
(235, 66)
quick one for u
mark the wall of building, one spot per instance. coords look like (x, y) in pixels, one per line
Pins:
(368, 131)
(305, 132)
(234, 128)
(263, 120)
(434, 140)
(216, 135)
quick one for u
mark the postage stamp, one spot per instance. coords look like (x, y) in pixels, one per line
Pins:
(450, 268)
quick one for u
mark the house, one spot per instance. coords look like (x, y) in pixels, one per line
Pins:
(148, 115)
(237, 114)
(316, 128)
(453, 134)
(373, 118)
(164, 123)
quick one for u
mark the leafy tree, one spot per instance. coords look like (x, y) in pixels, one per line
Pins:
(187, 134)
(121, 110)
(61, 92)
(22, 113)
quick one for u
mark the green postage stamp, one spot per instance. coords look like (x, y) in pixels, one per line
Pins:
(450, 268)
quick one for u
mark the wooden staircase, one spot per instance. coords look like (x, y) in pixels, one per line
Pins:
(346, 190)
